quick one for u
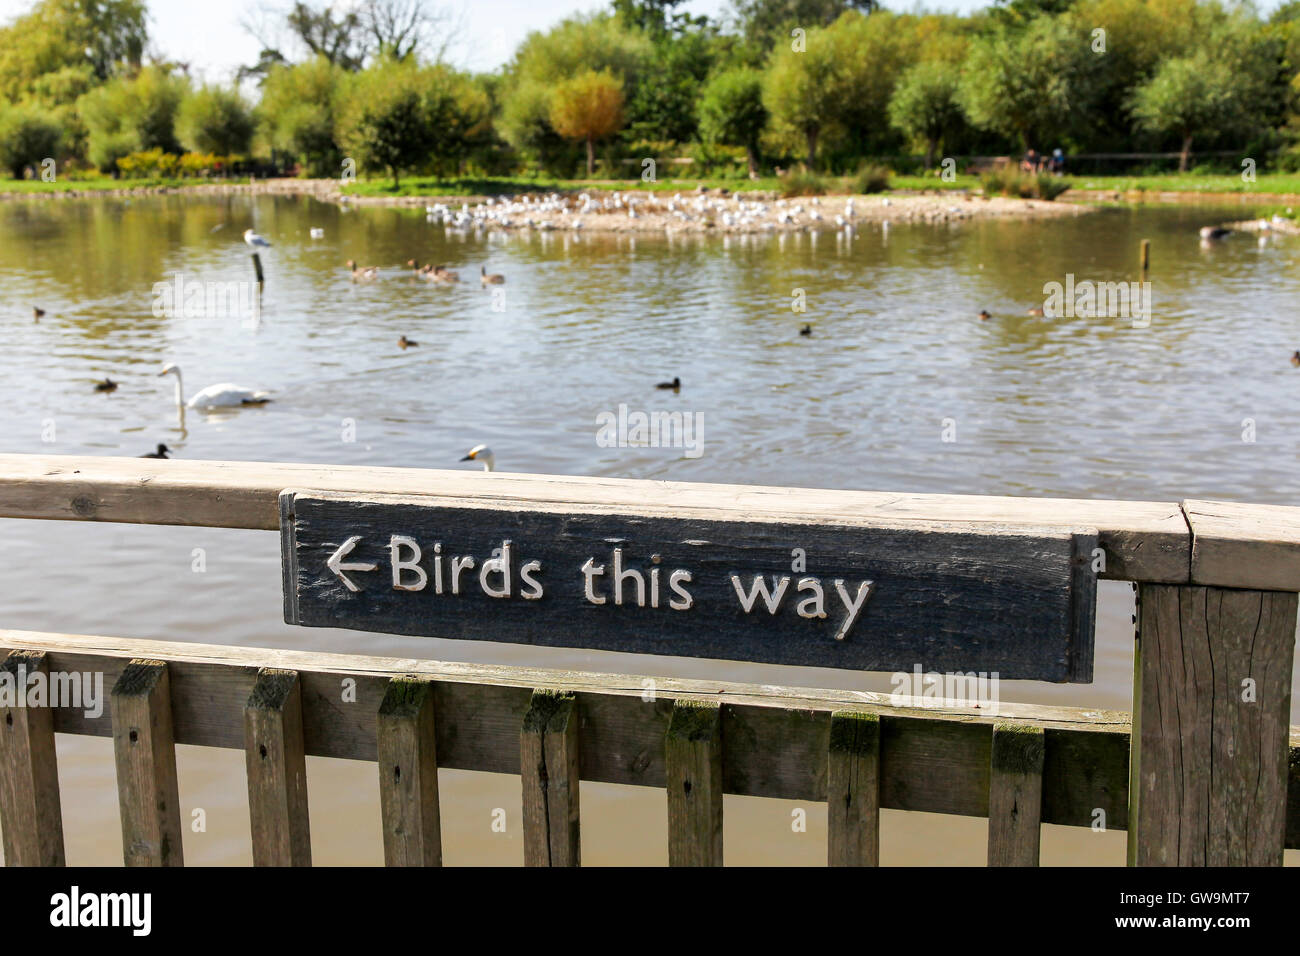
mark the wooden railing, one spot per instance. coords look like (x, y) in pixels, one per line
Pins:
(1212, 754)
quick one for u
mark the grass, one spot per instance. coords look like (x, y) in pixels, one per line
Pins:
(1265, 183)
(104, 184)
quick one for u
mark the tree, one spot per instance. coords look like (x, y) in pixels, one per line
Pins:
(128, 115)
(298, 113)
(27, 136)
(588, 107)
(766, 24)
(924, 105)
(802, 89)
(1188, 95)
(400, 29)
(338, 40)
(215, 120)
(731, 111)
(1030, 83)
(96, 39)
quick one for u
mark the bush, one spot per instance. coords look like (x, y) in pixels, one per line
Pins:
(27, 136)
(802, 183)
(1011, 182)
(872, 178)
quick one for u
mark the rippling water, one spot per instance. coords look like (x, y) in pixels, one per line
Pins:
(1072, 407)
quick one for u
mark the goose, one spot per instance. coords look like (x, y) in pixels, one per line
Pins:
(984, 315)
(490, 279)
(443, 274)
(484, 454)
(806, 330)
(37, 313)
(404, 343)
(1295, 358)
(160, 453)
(256, 241)
(362, 275)
(675, 384)
(1214, 232)
(419, 271)
(107, 385)
(224, 395)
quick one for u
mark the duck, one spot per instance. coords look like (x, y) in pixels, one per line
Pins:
(482, 453)
(494, 278)
(806, 330)
(675, 384)
(160, 453)
(1214, 232)
(362, 275)
(984, 315)
(317, 233)
(224, 395)
(443, 274)
(1295, 358)
(256, 241)
(405, 343)
(107, 385)
(417, 270)
(37, 313)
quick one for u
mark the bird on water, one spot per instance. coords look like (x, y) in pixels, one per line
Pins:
(362, 275)
(675, 384)
(405, 343)
(107, 385)
(490, 278)
(984, 315)
(224, 395)
(160, 453)
(1295, 358)
(483, 454)
(1214, 232)
(806, 330)
(37, 313)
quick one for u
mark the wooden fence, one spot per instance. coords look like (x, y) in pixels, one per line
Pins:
(1198, 776)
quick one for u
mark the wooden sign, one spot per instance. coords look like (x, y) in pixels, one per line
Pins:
(943, 597)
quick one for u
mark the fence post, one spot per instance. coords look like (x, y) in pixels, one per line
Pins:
(1211, 708)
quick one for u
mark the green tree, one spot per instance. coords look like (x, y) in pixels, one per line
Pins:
(588, 107)
(215, 120)
(127, 115)
(1030, 83)
(803, 89)
(924, 106)
(732, 111)
(27, 136)
(298, 113)
(767, 24)
(1187, 95)
(93, 39)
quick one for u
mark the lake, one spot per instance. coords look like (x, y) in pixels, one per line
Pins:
(900, 387)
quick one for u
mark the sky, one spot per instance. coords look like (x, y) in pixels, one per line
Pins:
(211, 39)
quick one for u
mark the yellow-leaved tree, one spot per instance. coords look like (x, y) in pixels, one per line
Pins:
(588, 106)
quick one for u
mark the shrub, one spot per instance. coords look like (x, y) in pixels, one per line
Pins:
(872, 178)
(27, 136)
(1010, 182)
(802, 183)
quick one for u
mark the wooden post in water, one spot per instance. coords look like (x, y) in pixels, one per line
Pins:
(1211, 708)
(257, 268)
(1144, 258)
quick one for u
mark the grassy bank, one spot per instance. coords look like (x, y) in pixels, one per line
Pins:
(107, 184)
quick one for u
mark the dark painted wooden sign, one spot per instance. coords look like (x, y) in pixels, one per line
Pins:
(942, 597)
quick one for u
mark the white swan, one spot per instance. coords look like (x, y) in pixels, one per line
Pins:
(484, 454)
(224, 395)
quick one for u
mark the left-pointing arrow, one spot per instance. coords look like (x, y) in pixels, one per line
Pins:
(335, 563)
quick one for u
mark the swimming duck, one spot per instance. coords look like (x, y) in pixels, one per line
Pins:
(37, 313)
(1295, 358)
(405, 343)
(484, 454)
(984, 315)
(1214, 232)
(443, 274)
(675, 384)
(487, 278)
(160, 453)
(362, 275)
(806, 330)
(107, 385)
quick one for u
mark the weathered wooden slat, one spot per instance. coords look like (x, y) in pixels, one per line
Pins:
(1212, 696)
(408, 774)
(853, 790)
(949, 597)
(1015, 795)
(277, 770)
(549, 771)
(693, 755)
(1143, 541)
(1244, 546)
(932, 760)
(30, 811)
(144, 750)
